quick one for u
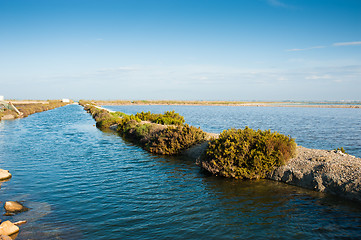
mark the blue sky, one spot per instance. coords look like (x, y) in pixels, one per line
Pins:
(181, 49)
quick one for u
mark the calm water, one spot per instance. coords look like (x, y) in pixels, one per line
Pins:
(321, 128)
(81, 183)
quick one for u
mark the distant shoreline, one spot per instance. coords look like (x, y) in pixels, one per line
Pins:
(231, 103)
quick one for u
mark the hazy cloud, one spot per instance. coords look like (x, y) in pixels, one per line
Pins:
(118, 69)
(347, 43)
(316, 77)
(333, 45)
(191, 80)
(304, 49)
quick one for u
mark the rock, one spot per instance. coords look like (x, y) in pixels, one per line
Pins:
(323, 171)
(8, 228)
(4, 174)
(4, 237)
(18, 223)
(12, 206)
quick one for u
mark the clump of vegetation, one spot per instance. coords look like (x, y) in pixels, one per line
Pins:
(160, 138)
(168, 118)
(142, 133)
(172, 140)
(102, 117)
(247, 154)
(158, 133)
(340, 149)
(127, 122)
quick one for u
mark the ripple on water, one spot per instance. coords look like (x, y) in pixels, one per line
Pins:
(86, 184)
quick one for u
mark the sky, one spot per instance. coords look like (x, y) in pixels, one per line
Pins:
(237, 50)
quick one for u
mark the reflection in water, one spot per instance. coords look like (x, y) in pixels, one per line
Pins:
(82, 183)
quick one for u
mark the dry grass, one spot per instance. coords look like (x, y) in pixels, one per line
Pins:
(30, 107)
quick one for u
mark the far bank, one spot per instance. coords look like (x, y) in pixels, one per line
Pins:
(19, 109)
(340, 104)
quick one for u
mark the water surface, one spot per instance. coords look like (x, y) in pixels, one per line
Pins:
(321, 128)
(82, 183)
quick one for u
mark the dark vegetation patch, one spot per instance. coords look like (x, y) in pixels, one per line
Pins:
(247, 154)
(243, 153)
(164, 134)
(168, 118)
(172, 140)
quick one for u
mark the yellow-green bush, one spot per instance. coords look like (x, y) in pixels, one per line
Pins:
(102, 117)
(160, 139)
(163, 134)
(246, 153)
(172, 140)
(168, 118)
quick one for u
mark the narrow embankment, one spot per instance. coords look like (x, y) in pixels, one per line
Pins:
(165, 134)
(17, 109)
(331, 171)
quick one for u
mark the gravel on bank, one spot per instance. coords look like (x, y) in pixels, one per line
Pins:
(326, 171)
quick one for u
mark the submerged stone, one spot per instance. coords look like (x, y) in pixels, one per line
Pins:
(4, 174)
(12, 206)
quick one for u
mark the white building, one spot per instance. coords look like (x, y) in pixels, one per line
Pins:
(1, 98)
(65, 100)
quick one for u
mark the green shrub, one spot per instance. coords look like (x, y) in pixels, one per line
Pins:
(246, 153)
(102, 117)
(147, 116)
(172, 140)
(107, 120)
(168, 118)
(157, 136)
(126, 122)
(118, 114)
(142, 133)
